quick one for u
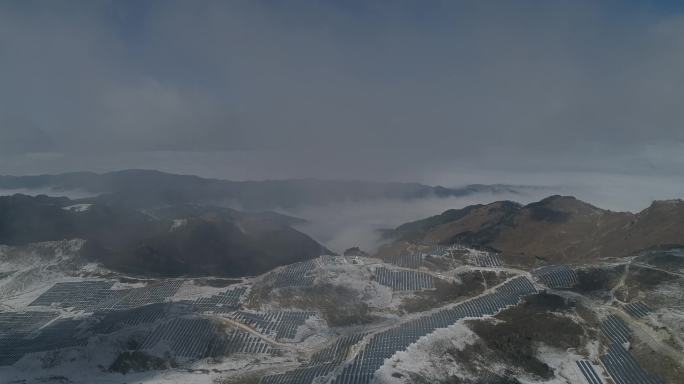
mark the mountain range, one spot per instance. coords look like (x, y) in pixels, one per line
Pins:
(144, 189)
(558, 229)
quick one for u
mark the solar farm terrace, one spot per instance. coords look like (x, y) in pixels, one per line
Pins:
(419, 313)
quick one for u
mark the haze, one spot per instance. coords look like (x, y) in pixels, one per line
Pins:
(581, 95)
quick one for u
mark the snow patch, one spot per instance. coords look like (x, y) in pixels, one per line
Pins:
(177, 224)
(429, 357)
(78, 207)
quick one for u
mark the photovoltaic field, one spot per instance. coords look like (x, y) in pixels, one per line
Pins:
(25, 338)
(556, 276)
(329, 363)
(294, 275)
(383, 345)
(80, 295)
(487, 260)
(98, 296)
(186, 337)
(221, 303)
(615, 330)
(401, 280)
(276, 324)
(637, 309)
(619, 363)
(111, 321)
(322, 363)
(405, 260)
(237, 341)
(589, 372)
(624, 369)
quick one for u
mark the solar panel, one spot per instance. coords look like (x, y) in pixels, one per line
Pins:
(404, 280)
(624, 369)
(186, 337)
(637, 309)
(220, 303)
(615, 330)
(589, 372)
(277, 324)
(383, 345)
(79, 295)
(556, 276)
(294, 275)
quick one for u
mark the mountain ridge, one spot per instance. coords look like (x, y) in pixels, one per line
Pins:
(178, 241)
(559, 229)
(146, 188)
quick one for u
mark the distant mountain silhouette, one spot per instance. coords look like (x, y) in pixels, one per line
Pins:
(144, 189)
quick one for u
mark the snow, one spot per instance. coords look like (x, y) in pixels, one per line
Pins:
(357, 277)
(563, 364)
(313, 333)
(177, 224)
(192, 291)
(37, 267)
(78, 207)
(429, 357)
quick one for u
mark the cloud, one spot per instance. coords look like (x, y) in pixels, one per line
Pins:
(502, 84)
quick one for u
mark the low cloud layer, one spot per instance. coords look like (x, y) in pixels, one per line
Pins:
(440, 92)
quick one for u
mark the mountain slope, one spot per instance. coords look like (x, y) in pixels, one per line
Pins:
(185, 240)
(556, 229)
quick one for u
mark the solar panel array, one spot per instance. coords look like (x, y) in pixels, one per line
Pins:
(339, 350)
(294, 275)
(61, 333)
(220, 303)
(589, 372)
(115, 320)
(79, 295)
(237, 341)
(150, 294)
(615, 330)
(557, 276)
(488, 260)
(624, 369)
(384, 345)
(438, 250)
(300, 375)
(277, 324)
(98, 295)
(24, 322)
(404, 280)
(406, 260)
(14, 327)
(637, 309)
(186, 337)
(322, 363)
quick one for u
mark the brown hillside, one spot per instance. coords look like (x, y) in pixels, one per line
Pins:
(559, 229)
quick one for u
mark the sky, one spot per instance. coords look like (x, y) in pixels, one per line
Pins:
(441, 92)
